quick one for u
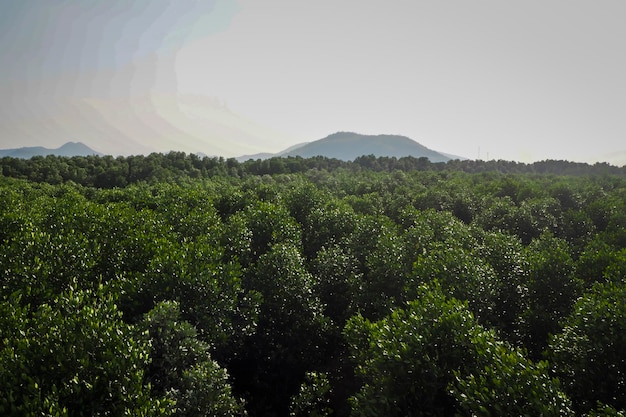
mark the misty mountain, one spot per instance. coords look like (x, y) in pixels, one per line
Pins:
(267, 155)
(68, 149)
(349, 145)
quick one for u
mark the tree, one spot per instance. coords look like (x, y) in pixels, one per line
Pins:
(433, 359)
(407, 359)
(327, 225)
(506, 256)
(193, 274)
(553, 288)
(461, 274)
(312, 399)
(289, 338)
(336, 275)
(506, 383)
(378, 249)
(269, 224)
(73, 356)
(599, 262)
(181, 367)
(588, 355)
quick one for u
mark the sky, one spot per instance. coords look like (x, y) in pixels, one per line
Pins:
(490, 79)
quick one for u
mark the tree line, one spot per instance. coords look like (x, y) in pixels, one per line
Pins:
(110, 172)
(339, 289)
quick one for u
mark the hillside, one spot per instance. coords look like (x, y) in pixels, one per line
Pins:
(68, 149)
(349, 145)
(267, 155)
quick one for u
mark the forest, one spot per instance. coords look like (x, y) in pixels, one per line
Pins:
(175, 285)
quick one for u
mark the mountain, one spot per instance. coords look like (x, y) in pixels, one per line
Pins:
(349, 145)
(266, 155)
(68, 149)
(263, 155)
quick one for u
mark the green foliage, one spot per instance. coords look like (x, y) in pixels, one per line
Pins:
(461, 274)
(312, 399)
(193, 274)
(205, 393)
(507, 383)
(505, 255)
(74, 356)
(337, 278)
(378, 253)
(588, 355)
(601, 262)
(327, 225)
(269, 224)
(407, 359)
(287, 288)
(603, 410)
(289, 337)
(553, 289)
(432, 358)
(214, 280)
(181, 367)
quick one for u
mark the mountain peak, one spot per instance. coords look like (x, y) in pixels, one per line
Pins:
(350, 145)
(75, 148)
(67, 149)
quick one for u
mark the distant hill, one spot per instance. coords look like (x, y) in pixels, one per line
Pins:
(68, 149)
(451, 156)
(349, 145)
(266, 155)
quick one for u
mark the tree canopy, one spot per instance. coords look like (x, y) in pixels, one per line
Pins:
(178, 285)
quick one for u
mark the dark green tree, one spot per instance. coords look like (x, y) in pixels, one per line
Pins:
(552, 290)
(289, 338)
(588, 355)
(433, 359)
(181, 368)
(73, 356)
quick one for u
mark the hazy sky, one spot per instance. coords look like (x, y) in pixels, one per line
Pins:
(518, 80)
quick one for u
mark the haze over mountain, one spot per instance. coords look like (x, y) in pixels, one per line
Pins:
(68, 149)
(266, 155)
(349, 145)
(341, 145)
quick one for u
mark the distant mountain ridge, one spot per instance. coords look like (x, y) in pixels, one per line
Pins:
(348, 146)
(345, 146)
(267, 155)
(68, 149)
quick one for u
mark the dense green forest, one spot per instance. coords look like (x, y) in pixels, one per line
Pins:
(176, 285)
